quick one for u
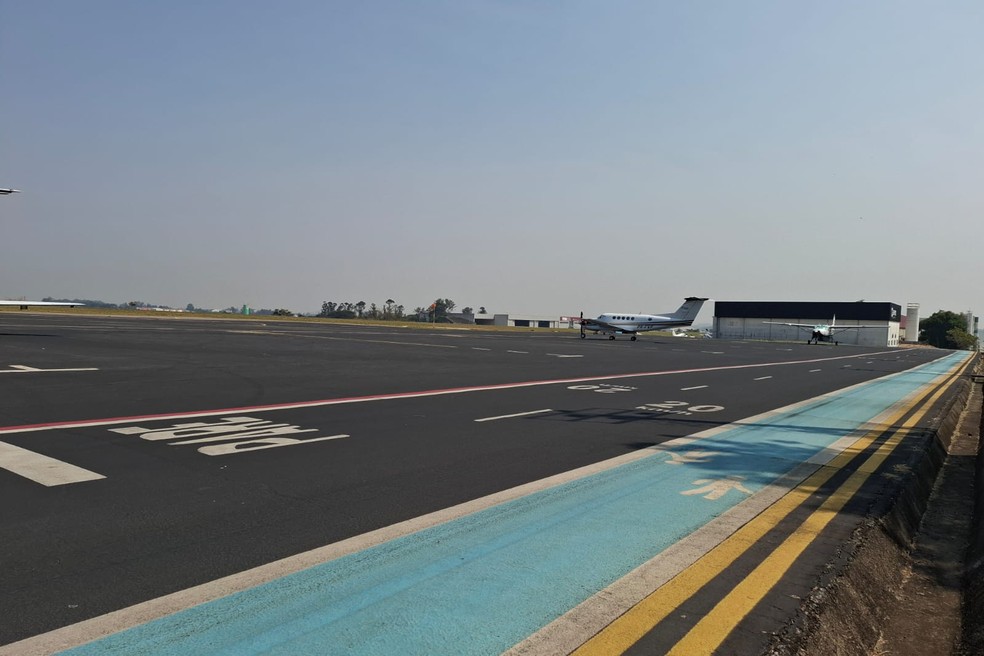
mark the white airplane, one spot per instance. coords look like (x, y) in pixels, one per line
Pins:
(631, 323)
(25, 304)
(822, 332)
(4, 192)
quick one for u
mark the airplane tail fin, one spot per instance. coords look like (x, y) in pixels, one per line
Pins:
(689, 310)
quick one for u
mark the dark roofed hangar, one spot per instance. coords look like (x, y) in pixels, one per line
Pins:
(746, 320)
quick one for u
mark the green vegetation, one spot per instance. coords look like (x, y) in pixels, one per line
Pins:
(390, 311)
(945, 329)
(437, 312)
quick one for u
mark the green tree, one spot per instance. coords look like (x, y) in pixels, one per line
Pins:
(439, 309)
(945, 329)
(961, 339)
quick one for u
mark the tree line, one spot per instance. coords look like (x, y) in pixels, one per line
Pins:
(391, 311)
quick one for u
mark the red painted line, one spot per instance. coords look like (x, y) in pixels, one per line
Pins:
(27, 428)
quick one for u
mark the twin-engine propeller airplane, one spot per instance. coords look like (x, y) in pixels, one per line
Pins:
(630, 323)
(822, 332)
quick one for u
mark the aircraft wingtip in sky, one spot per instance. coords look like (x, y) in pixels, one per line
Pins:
(25, 304)
(632, 323)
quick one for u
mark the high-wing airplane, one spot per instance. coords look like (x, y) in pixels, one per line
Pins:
(632, 323)
(4, 192)
(822, 332)
(25, 304)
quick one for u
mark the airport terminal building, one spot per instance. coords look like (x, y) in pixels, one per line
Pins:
(747, 320)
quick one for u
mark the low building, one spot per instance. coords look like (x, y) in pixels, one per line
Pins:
(762, 320)
(524, 321)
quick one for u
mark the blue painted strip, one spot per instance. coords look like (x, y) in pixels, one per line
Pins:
(482, 583)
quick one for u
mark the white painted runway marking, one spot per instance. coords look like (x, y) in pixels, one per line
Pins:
(42, 469)
(813, 371)
(24, 369)
(242, 434)
(518, 414)
(476, 348)
(520, 352)
(687, 389)
(365, 341)
(85, 423)
(561, 355)
(762, 378)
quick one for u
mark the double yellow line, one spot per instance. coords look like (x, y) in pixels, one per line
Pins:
(708, 634)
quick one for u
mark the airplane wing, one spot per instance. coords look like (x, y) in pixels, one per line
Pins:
(839, 329)
(25, 304)
(798, 325)
(595, 324)
(811, 326)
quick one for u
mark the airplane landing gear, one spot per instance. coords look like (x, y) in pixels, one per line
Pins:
(633, 338)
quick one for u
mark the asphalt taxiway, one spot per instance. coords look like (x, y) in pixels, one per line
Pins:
(145, 458)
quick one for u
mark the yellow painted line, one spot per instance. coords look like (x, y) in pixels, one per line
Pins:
(708, 634)
(628, 629)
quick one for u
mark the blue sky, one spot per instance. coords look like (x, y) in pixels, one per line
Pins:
(544, 157)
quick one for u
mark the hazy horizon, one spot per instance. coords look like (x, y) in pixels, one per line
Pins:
(527, 157)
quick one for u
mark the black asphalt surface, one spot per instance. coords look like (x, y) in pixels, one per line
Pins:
(168, 516)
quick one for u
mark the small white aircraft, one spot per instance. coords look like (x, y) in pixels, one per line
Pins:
(631, 323)
(25, 304)
(822, 332)
(4, 192)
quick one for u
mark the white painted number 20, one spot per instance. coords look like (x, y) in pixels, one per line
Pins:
(679, 408)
